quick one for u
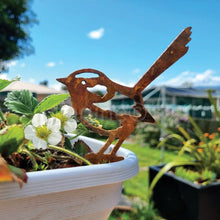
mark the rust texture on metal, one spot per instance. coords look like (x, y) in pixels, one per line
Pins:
(83, 99)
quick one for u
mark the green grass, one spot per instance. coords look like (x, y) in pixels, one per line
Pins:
(144, 213)
(138, 185)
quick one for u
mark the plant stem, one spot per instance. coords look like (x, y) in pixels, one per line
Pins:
(33, 161)
(2, 115)
(81, 133)
(40, 158)
(70, 153)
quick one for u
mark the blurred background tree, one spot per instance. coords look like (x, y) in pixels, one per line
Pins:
(16, 17)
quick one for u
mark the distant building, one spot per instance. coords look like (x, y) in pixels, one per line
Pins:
(38, 91)
(193, 101)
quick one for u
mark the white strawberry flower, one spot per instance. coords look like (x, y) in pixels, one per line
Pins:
(68, 124)
(43, 131)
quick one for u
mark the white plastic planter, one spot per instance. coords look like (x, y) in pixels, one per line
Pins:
(85, 193)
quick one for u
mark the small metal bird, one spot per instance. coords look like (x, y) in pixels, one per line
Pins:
(82, 98)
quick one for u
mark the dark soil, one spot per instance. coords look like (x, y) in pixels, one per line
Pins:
(53, 159)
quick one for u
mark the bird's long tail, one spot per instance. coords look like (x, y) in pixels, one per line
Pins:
(174, 51)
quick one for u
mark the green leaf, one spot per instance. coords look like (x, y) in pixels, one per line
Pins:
(197, 129)
(12, 119)
(21, 102)
(25, 119)
(81, 148)
(21, 174)
(184, 133)
(11, 173)
(166, 168)
(10, 139)
(68, 144)
(2, 115)
(4, 83)
(163, 142)
(50, 102)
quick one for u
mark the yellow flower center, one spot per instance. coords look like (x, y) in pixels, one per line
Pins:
(43, 132)
(62, 118)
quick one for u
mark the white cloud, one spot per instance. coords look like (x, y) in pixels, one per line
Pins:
(97, 88)
(207, 78)
(136, 71)
(96, 34)
(32, 80)
(4, 76)
(131, 84)
(104, 89)
(51, 64)
(57, 86)
(12, 63)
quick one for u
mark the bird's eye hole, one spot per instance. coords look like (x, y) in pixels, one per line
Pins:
(83, 82)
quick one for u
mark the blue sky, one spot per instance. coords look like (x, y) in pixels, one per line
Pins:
(121, 38)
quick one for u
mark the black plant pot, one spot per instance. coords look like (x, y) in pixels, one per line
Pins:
(178, 199)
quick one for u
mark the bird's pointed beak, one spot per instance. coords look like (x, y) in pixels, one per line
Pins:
(62, 80)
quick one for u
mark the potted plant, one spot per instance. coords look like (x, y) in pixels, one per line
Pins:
(61, 183)
(188, 187)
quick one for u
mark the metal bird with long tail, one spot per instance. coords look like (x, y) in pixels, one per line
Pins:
(82, 98)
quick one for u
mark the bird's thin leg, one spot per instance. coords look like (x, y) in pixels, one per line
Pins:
(110, 139)
(116, 147)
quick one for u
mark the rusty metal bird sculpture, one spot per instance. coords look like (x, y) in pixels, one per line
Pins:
(83, 99)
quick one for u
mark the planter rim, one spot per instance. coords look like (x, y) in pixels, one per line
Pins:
(193, 185)
(57, 180)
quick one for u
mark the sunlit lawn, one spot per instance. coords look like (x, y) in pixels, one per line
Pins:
(137, 186)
